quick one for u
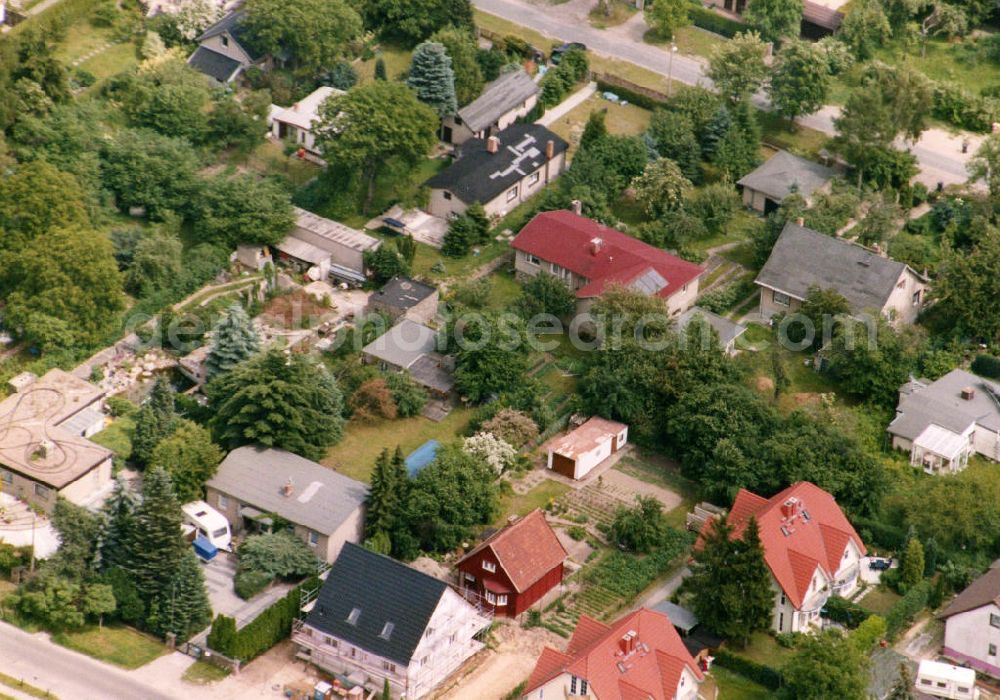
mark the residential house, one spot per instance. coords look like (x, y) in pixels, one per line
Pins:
(584, 448)
(502, 102)
(413, 347)
(514, 568)
(255, 484)
(640, 656)
(404, 297)
(803, 259)
(728, 331)
(325, 248)
(765, 188)
(224, 50)
(377, 619)
(295, 124)
(972, 625)
(809, 546)
(942, 423)
(500, 171)
(45, 452)
(591, 257)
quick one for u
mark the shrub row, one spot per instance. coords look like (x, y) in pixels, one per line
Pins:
(632, 96)
(765, 675)
(906, 608)
(845, 612)
(957, 106)
(714, 22)
(987, 366)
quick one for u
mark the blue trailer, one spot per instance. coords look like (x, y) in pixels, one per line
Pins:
(205, 550)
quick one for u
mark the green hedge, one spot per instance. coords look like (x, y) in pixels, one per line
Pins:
(845, 612)
(636, 98)
(987, 366)
(881, 534)
(765, 675)
(714, 22)
(901, 614)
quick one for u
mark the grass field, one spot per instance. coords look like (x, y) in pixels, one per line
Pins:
(504, 290)
(690, 40)
(522, 504)
(624, 120)
(117, 437)
(81, 38)
(879, 600)
(396, 58)
(355, 455)
(120, 646)
(764, 650)
(114, 60)
(269, 159)
(18, 684)
(803, 140)
(735, 687)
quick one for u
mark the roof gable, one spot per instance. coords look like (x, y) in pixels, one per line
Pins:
(364, 591)
(785, 173)
(603, 255)
(506, 93)
(985, 590)
(526, 550)
(941, 403)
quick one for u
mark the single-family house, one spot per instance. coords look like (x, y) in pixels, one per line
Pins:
(45, 452)
(972, 625)
(377, 619)
(809, 546)
(803, 259)
(325, 248)
(254, 484)
(942, 423)
(502, 102)
(515, 567)
(728, 331)
(584, 448)
(638, 657)
(591, 257)
(413, 347)
(500, 171)
(224, 50)
(765, 188)
(295, 124)
(405, 297)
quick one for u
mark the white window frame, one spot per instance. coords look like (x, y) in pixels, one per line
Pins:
(512, 193)
(223, 501)
(532, 259)
(501, 601)
(491, 598)
(780, 298)
(994, 620)
(534, 178)
(313, 538)
(489, 566)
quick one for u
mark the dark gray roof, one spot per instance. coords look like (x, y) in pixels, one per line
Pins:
(682, 618)
(941, 403)
(431, 371)
(504, 94)
(233, 24)
(985, 590)
(403, 344)
(214, 64)
(479, 176)
(384, 591)
(403, 293)
(728, 330)
(777, 176)
(803, 258)
(321, 499)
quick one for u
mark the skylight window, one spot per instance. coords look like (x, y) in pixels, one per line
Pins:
(352, 619)
(387, 631)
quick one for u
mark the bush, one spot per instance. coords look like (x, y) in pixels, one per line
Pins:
(963, 109)
(722, 300)
(121, 407)
(901, 614)
(577, 533)
(269, 628)
(635, 98)
(12, 556)
(762, 674)
(987, 366)
(845, 612)
(249, 583)
(713, 22)
(279, 554)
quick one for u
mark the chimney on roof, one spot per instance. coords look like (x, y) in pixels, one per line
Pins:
(790, 507)
(550, 149)
(288, 488)
(596, 245)
(576, 206)
(511, 519)
(492, 144)
(627, 642)
(800, 221)
(968, 393)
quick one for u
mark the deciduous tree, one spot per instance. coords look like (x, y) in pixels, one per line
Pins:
(190, 457)
(775, 19)
(667, 16)
(661, 187)
(315, 32)
(243, 209)
(545, 294)
(737, 66)
(800, 80)
(826, 665)
(865, 29)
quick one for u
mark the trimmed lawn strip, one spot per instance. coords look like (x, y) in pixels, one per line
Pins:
(121, 646)
(690, 40)
(114, 60)
(22, 687)
(396, 58)
(879, 601)
(802, 141)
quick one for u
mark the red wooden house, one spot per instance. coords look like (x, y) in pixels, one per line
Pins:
(515, 567)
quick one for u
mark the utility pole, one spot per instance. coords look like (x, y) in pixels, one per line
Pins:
(670, 70)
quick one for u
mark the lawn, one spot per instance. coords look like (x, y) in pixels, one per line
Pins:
(355, 455)
(802, 141)
(879, 600)
(397, 62)
(522, 504)
(764, 650)
(962, 63)
(81, 38)
(201, 673)
(733, 686)
(690, 40)
(117, 437)
(269, 158)
(504, 290)
(121, 646)
(624, 120)
(114, 60)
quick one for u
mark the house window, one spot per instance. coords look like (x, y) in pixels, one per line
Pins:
(992, 650)
(41, 491)
(572, 685)
(780, 299)
(423, 661)
(781, 621)
(583, 687)
(489, 566)
(354, 652)
(532, 259)
(782, 598)
(387, 666)
(491, 598)
(942, 684)
(512, 193)
(962, 690)
(533, 179)
(916, 298)
(470, 578)
(331, 642)
(225, 40)
(501, 600)
(223, 502)
(447, 195)
(925, 681)
(994, 620)
(313, 539)
(6, 476)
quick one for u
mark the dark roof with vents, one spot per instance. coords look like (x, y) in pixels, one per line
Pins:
(384, 591)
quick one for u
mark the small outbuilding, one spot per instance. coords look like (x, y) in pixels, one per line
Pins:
(577, 453)
(405, 297)
(728, 331)
(502, 102)
(295, 124)
(412, 347)
(765, 188)
(326, 248)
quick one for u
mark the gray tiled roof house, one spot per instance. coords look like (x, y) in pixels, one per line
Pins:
(499, 97)
(941, 403)
(785, 173)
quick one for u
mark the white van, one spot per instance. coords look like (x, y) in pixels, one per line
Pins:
(208, 523)
(946, 681)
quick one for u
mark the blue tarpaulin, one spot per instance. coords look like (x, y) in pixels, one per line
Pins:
(205, 549)
(421, 457)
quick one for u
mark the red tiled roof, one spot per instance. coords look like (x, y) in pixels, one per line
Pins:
(651, 672)
(526, 550)
(564, 238)
(816, 541)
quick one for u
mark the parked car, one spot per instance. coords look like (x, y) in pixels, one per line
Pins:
(880, 564)
(558, 51)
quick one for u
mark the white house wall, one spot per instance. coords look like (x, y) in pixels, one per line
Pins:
(899, 307)
(970, 634)
(81, 490)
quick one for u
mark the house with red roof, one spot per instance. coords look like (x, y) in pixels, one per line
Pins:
(591, 257)
(639, 657)
(811, 549)
(515, 567)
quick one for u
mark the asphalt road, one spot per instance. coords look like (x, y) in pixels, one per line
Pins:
(39, 662)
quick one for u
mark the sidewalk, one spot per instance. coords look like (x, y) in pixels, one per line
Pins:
(568, 105)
